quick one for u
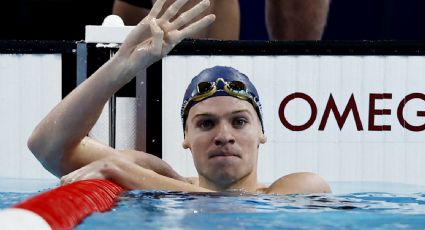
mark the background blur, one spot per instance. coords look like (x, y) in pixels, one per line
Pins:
(348, 19)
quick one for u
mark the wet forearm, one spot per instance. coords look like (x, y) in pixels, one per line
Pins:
(132, 176)
(153, 163)
(70, 121)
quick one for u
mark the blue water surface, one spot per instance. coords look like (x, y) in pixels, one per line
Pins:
(13, 190)
(351, 206)
(171, 210)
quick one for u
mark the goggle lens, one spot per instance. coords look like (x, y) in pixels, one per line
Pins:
(237, 86)
(204, 87)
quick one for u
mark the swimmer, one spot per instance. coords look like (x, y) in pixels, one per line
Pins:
(221, 115)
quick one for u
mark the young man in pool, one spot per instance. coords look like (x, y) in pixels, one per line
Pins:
(221, 114)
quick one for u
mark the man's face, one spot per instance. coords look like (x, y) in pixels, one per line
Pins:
(223, 134)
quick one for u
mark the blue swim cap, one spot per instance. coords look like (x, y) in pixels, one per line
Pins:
(227, 74)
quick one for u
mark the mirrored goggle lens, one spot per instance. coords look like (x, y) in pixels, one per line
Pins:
(237, 86)
(204, 87)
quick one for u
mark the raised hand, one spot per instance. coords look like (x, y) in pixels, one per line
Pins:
(157, 34)
(60, 140)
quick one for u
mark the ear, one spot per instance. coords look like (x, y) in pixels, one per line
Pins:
(263, 138)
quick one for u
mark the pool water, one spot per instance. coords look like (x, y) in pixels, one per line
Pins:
(171, 210)
(14, 190)
(140, 209)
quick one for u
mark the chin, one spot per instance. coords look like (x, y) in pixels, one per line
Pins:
(225, 177)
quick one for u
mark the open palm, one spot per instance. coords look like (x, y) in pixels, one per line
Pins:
(157, 34)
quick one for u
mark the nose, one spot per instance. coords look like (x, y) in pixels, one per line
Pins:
(224, 135)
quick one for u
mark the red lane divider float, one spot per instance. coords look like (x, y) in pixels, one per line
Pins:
(66, 206)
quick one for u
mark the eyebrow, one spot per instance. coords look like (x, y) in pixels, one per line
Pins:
(241, 111)
(213, 115)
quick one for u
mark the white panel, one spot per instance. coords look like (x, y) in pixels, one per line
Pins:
(9, 91)
(345, 154)
(330, 82)
(285, 70)
(350, 78)
(415, 161)
(415, 82)
(284, 161)
(396, 74)
(30, 87)
(262, 73)
(306, 157)
(372, 166)
(306, 82)
(125, 137)
(373, 81)
(349, 163)
(125, 124)
(329, 161)
(395, 162)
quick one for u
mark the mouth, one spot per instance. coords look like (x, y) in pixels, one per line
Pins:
(223, 154)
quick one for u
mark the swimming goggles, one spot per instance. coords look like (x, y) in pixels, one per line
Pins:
(236, 89)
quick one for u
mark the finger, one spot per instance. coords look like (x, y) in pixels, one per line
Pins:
(67, 180)
(156, 8)
(68, 177)
(157, 37)
(63, 180)
(87, 176)
(173, 10)
(187, 16)
(73, 176)
(192, 29)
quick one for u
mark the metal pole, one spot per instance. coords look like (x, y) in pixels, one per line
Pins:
(112, 114)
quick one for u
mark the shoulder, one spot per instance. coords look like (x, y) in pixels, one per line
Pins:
(296, 183)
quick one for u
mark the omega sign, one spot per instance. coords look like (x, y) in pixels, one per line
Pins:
(352, 108)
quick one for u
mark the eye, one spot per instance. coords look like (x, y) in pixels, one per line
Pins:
(239, 122)
(205, 124)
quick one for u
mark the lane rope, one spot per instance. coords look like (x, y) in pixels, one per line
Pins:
(66, 206)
